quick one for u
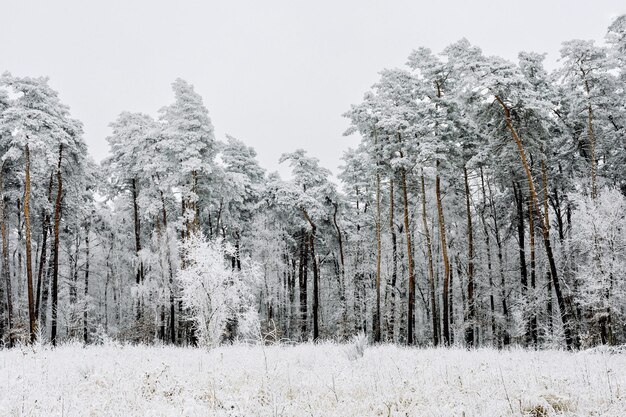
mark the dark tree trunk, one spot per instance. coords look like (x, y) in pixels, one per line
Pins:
(74, 271)
(492, 304)
(315, 276)
(302, 281)
(29, 262)
(451, 304)
(168, 255)
(292, 295)
(237, 251)
(44, 240)
(556, 205)
(86, 293)
(544, 179)
(55, 250)
(471, 307)
(184, 234)
(45, 291)
(17, 271)
(316, 290)
(521, 239)
(409, 250)
(137, 223)
(519, 197)
(342, 275)
(106, 291)
(431, 274)
(390, 294)
(195, 206)
(505, 336)
(446, 262)
(532, 324)
(5, 259)
(376, 318)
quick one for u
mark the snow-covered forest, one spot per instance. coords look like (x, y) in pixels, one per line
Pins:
(484, 207)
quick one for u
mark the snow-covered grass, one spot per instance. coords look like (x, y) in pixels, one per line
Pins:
(308, 380)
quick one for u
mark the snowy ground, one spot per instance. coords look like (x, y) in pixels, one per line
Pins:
(308, 380)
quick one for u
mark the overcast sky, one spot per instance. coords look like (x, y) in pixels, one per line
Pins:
(275, 74)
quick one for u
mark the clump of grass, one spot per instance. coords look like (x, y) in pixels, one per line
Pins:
(357, 346)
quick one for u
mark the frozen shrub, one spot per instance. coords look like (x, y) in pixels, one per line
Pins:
(219, 297)
(356, 349)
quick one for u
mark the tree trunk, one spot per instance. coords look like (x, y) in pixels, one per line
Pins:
(471, 307)
(409, 251)
(592, 145)
(55, 272)
(556, 205)
(74, 271)
(342, 274)
(86, 293)
(316, 290)
(29, 264)
(390, 294)
(172, 321)
(196, 207)
(521, 239)
(292, 297)
(184, 227)
(45, 290)
(376, 320)
(446, 261)
(304, 256)
(137, 223)
(44, 240)
(546, 211)
(18, 271)
(237, 251)
(492, 304)
(431, 274)
(106, 290)
(316, 278)
(505, 336)
(451, 303)
(5, 258)
(161, 307)
(533, 271)
(519, 200)
(184, 234)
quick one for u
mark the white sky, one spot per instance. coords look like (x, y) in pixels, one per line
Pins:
(275, 74)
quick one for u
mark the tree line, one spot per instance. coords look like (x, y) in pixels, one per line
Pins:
(484, 206)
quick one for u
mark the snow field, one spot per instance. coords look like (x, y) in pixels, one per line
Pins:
(308, 380)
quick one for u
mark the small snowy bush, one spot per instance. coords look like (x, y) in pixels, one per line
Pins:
(219, 297)
(356, 349)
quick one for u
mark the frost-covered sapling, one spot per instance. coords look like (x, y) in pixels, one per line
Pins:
(219, 297)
